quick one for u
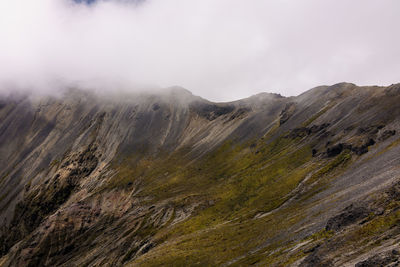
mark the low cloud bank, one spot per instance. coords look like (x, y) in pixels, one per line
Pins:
(219, 49)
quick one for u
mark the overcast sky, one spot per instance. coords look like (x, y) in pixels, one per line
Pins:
(218, 49)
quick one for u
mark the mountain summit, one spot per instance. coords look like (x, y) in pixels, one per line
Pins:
(171, 179)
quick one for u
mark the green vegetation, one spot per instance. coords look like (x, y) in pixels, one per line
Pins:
(341, 160)
(323, 234)
(241, 183)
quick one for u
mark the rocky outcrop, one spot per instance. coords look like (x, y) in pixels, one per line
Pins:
(316, 259)
(388, 258)
(211, 111)
(306, 131)
(46, 198)
(350, 215)
(287, 112)
(387, 134)
(357, 149)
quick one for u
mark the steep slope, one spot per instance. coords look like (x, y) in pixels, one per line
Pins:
(172, 179)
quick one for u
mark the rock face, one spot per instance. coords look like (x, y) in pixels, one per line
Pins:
(172, 179)
(389, 258)
(348, 216)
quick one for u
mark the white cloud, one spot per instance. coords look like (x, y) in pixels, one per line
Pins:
(219, 49)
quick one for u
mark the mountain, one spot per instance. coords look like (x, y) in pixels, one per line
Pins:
(171, 179)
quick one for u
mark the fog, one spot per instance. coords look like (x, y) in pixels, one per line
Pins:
(218, 49)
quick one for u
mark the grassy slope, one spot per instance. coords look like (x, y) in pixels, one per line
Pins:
(242, 184)
(240, 181)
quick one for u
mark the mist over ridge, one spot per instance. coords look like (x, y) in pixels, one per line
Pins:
(221, 50)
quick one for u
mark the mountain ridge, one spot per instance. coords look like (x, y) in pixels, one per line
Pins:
(174, 179)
